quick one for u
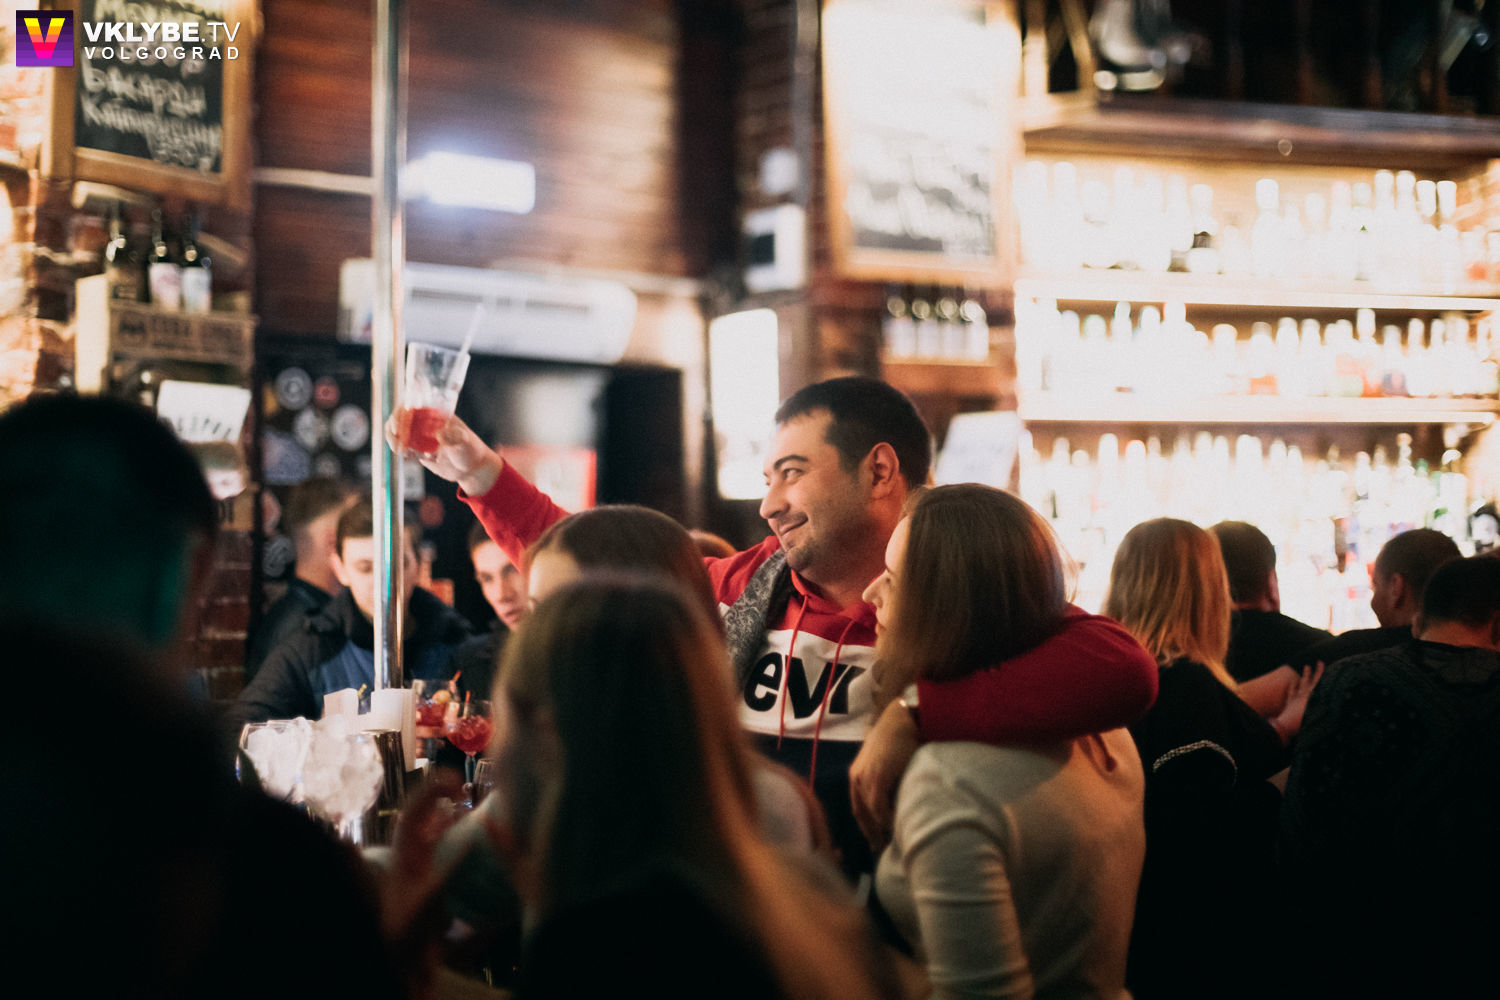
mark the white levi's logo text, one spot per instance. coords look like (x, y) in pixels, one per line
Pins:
(811, 680)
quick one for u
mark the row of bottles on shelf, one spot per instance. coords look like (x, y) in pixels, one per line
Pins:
(169, 270)
(1160, 352)
(1328, 517)
(934, 324)
(1399, 231)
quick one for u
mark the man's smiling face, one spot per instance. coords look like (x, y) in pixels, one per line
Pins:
(816, 508)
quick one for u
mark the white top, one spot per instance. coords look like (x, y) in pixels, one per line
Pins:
(1014, 871)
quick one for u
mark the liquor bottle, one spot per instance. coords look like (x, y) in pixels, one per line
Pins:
(1487, 381)
(1384, 228)
(1267, 247)
(121, 262)
(1348, 380)
(898, 332)
(1438, 383)
(976, 329)
(951, 332)
(1315, 223)
(162, 272)
(1066, 243)
(1261, 361)
(197, 278)
(1313, 360)
(1450, 247)
(1361, 218)
(1343, 263)
(1367, 353)
(1121, 364)
(1392, 362)
(1228, 378)
(1178, 221)
(1203, 258)
(1427, 233)
(1418, 367)
(1291, 378)
(929, 333)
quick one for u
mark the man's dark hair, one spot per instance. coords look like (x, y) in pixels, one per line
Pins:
(1416, 555)
(358, 521)
(477, 537)
(1466, 591)
(1249, 557)
(99, 506)
(866, 412)
(311, 499)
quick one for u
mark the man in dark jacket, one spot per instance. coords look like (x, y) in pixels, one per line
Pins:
(1390, 820)
(504, 589)
(1397, 581)
(1261, 638)
(335, 650)
(311, 519)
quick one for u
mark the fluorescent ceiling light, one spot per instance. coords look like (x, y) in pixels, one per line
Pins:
(472, 181)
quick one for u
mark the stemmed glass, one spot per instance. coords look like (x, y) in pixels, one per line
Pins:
(468, 728)
(434, 701)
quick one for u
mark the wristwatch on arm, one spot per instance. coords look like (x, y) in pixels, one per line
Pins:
(908, 701)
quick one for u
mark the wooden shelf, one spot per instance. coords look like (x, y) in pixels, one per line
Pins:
(1217, 290)
(1126, 408)
(941, 376)
(1267, 133)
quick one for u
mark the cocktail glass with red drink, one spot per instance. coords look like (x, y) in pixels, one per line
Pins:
(435, 699)
(434, 378)
(468, 728)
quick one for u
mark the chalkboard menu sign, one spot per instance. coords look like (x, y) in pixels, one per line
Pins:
(157, 98)
(916, 97)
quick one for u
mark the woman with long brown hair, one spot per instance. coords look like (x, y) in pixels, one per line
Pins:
(1012, 871)
(627, 790)
(1210, 813)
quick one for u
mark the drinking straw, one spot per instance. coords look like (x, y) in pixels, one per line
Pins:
(473, 328)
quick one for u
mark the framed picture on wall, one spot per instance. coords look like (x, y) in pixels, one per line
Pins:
(160, 105)
(920, 130)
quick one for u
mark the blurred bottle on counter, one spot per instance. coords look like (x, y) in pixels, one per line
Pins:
(976, 329)
(898, 332)
(121, 261)
(197, 278)
(929, 329)
(162, 273)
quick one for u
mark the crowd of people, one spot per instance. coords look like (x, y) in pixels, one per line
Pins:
(878, 754)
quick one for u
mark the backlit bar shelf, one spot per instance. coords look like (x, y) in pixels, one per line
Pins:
(1128, 408)
(1217, 290)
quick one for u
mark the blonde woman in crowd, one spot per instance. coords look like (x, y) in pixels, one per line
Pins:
(1210, 812)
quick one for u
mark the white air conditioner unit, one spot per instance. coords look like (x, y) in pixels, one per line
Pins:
(525, 315)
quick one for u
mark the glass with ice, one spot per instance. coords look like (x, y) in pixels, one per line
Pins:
(277, 750)
(342, 774)
(434, 377)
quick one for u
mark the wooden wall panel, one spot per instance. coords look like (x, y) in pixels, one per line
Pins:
(594, 94)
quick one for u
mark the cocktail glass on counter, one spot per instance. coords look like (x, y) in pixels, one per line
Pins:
(469, 729)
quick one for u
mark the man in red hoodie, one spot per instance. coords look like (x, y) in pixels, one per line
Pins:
(844, 457)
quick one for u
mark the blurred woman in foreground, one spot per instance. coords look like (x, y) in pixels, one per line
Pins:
(1011, 870)
(628, 803)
